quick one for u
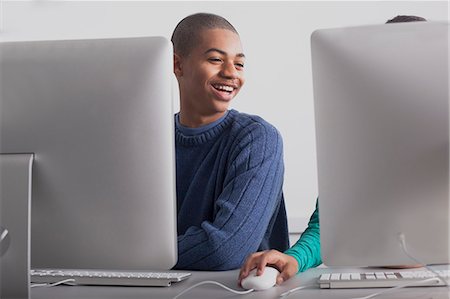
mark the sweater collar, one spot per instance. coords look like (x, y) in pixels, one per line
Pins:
(197, 136)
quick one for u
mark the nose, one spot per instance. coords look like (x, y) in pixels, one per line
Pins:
(229, 71)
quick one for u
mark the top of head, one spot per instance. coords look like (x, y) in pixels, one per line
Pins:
(263, 282)
(187, 32)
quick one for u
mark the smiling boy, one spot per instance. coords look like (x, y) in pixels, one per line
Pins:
(229, 164)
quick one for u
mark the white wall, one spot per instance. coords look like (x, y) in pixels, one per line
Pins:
(275, 37)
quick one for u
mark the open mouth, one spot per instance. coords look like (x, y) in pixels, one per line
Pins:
(224, 88)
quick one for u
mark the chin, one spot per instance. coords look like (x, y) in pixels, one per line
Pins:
(222, 107)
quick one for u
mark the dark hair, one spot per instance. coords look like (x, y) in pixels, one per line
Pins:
(401, 19)
(187, 32)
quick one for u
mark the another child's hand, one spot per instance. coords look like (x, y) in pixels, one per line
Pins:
(286, 264)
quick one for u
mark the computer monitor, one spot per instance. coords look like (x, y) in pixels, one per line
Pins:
(97, 114)
(381, 99)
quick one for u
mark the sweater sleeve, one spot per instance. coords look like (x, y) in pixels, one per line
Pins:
(307, 249)
(250, 196)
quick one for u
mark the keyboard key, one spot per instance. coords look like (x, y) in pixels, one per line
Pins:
(345, 276)
(355, 276)
(383, 279)
(96, 277)
(325, 276)
(335, 276)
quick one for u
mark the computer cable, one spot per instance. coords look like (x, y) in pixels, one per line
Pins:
(399, 287)
(283, 295)
(402, 240)
(48, 285)
(4, 234)
(286, 294)
(437, 279)
(215, 283)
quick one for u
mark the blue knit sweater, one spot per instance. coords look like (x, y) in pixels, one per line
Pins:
(229, 193)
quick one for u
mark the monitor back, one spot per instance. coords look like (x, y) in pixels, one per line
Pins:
(381, 96)
(98, 116)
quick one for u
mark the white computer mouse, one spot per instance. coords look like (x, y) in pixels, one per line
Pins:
(263, 282)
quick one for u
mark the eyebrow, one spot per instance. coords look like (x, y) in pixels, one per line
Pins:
(223, 52)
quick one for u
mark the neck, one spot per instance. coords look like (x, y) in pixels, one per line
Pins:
(197, 120)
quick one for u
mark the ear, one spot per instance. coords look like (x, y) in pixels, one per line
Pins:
(177, 65)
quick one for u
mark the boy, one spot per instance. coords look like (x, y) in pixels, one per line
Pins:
(229, 164)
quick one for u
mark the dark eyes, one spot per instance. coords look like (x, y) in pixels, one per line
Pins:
(216, 60)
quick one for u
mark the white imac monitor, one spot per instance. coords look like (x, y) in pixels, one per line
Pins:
(381, 96)
(97, 114)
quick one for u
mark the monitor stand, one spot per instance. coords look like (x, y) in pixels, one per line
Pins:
(15, 206)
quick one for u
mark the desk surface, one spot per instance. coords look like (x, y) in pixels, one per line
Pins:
(229, 278)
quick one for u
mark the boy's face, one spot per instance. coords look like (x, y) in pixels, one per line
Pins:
(212, 74)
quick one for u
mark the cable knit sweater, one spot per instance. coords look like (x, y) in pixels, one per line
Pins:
(229, 192)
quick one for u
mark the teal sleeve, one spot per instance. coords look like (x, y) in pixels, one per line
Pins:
(307, 249)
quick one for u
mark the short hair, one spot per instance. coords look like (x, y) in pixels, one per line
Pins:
(187, 32)
(401, 19)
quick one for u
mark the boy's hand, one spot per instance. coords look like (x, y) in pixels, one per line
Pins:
(286, 264)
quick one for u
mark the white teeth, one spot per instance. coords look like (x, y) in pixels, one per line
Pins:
(224, 87)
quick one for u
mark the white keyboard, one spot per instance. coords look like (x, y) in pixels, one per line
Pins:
(383, 279)
(100, 277)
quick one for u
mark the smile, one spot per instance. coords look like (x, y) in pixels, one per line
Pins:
(225, 88)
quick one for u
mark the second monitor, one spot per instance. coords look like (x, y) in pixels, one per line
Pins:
(382, 123)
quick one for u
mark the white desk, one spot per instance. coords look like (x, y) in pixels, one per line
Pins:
(229, 278)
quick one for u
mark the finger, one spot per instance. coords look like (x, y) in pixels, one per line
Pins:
(280, 279)
(280, 264)
(288, 272)
(249, 264)
(270, 257)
